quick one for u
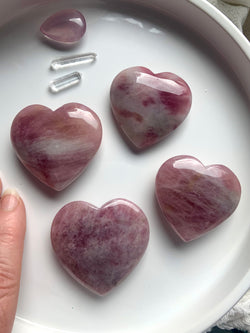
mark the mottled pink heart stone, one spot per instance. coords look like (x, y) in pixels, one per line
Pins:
(195, 198)
(147, 106)
(99, 247)
(65, 27)
(56, 146)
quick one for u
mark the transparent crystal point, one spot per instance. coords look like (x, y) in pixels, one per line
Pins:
(73, 60)
(65, 82)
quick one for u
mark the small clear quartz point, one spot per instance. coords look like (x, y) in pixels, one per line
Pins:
(73, 60)
(65, 82)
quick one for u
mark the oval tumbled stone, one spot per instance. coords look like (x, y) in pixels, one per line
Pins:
(65, 27)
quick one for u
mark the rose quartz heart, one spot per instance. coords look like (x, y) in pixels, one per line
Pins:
(99, 247)
(195, 198)
(147, 106)
(56, 146)
(65, 27)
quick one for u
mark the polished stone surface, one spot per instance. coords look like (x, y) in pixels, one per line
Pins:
(147, 106)
(56, 146)
(195, 198)
(99, 247)
(65, 27)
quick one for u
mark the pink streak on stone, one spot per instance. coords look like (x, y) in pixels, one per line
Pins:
(147, 106)
(194, 198)
(56, 147)
(99, 247)
(65, 27)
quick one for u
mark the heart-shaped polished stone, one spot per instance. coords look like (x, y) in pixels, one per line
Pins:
(65, 27)
(56, 146)
(147, 106)
(99, 247)
(195, 198)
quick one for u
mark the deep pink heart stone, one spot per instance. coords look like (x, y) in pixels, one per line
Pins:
(99, 247)
(65, 27)
(195, 198)
(56, 146)
(147, 106)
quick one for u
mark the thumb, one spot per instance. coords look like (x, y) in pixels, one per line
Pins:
(12, 231)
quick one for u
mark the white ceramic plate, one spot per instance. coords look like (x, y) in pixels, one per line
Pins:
(176, 287)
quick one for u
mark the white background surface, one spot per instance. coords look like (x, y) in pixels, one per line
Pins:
(177, 287)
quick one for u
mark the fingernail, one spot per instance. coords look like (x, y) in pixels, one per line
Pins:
(10, 200)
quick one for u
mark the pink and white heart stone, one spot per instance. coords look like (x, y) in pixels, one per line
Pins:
(65, 27)
(195, 198)
(56, 146)
(147, 106)
(99, 247)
